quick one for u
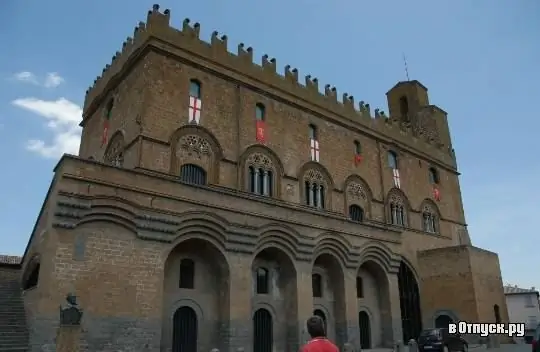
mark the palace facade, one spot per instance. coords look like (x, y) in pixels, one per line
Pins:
(215, 203)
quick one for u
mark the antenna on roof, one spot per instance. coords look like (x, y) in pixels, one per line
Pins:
(406, 68)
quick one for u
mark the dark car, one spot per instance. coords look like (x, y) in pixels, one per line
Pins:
(441, 340)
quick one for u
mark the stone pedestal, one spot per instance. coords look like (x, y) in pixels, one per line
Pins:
(69, 332)
(67, 339)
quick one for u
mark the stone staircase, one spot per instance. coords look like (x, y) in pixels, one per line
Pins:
(13, 329)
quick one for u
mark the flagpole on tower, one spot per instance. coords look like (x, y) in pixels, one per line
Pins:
(406, 68)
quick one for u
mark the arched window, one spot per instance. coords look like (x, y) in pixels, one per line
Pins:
(316, 285)
(187, 273)
(114, 154)
(261, 175)
(497, 313)
(397, 211)
(313, 133)
(430, 224)
(260, 112)
(263, 281)
(193, 174)
(356, 213)
(433, 175)
(314, 189)
(359, 287)
(429, 219)
(195, 89)
(404, 107)
(357, 148)
(108, 109)
(392, 160)
(33, 278)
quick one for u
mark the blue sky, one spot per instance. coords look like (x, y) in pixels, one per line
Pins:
(478, 58)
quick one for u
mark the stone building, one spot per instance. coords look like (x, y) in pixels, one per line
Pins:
(216, 203)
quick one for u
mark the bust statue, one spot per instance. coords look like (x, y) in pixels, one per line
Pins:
(70, 313)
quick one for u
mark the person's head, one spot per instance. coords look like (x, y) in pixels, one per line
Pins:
(315, 327)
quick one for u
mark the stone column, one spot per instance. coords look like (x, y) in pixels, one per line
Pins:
(305, 300)
(351, 330)
(240, 291)
(393, 333)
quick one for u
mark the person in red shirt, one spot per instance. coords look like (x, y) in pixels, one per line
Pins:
(318, 342)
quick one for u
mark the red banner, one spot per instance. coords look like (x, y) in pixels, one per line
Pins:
(357, 159)
(261, 131)
(436, 194)
(105, 133)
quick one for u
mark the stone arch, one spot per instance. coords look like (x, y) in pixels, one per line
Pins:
(357, 192)
(315, 173)
(336, 245)
(397, 201)
(373, 274)
(209, 296)
(444, 313)
(431, 216)
(120, 214)
(268, 159)
(30, 277)
(333, 292)
(205, 226)
(194, 144)
(114, 153)
(282, 297)
(279, 237)
(186, 302)
(379, 253)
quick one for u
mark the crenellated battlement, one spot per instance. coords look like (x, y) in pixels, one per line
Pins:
(216, 52)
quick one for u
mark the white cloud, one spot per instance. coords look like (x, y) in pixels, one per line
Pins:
(27, 77)
(63, 117)
(53, 80)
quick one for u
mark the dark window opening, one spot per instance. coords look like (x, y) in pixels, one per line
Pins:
(187, 274)
(397, 214)
(314, 195)
(108, 110)
(316, 285)
(195, 89)
(392, 160)
(365, 330)
(404, 107)
(263, 281)
(409, 301)
(185, 330)
(357, 148)
(433, 176)
(497, 313)
(263, 331)
(359, 287)
(313, 132)
(193, 174)
(260, 112)
(261, 181)
(33, 278)
(356, 213)
(430, 223)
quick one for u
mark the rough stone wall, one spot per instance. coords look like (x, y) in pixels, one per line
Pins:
(464, 280)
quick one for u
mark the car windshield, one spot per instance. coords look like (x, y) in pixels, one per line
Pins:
(430, 332)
